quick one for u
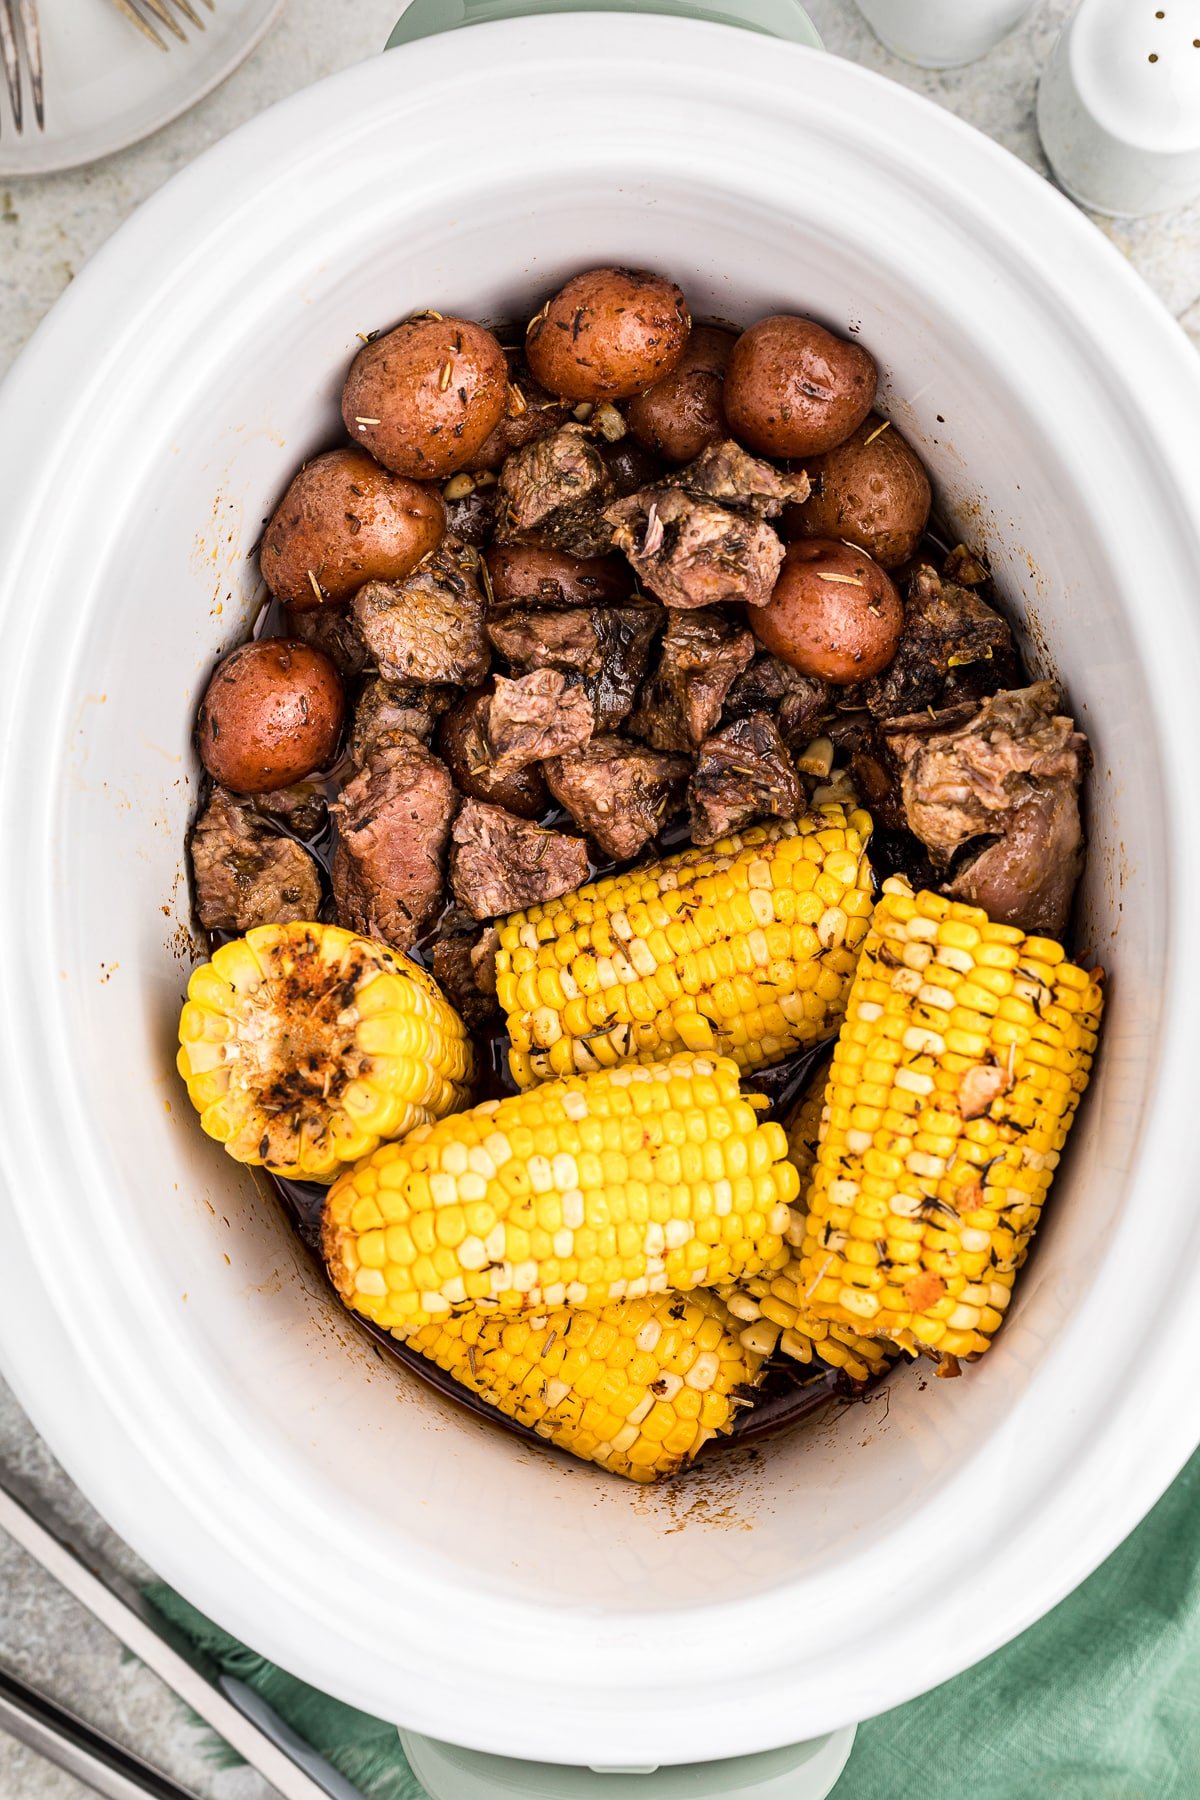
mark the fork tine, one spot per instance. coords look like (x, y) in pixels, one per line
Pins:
(164, 14)
(131, 13)
(33, 55)
(12, 68)
(189, 12)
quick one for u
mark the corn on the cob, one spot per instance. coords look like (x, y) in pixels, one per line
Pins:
(638, 1387)
(744, 949)
(598, 1188)
(956, 1075)
(304, 1046)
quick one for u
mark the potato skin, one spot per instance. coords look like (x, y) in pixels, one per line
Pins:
(794, 389)
(271, 715)
(344, 521)
(871, 491)
(607, 334)
(425, 398)
(833, 614)
(459, 743)
(685, 411)
(523, 574)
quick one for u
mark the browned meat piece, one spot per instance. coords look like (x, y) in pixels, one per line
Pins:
(471, 513)
(530, 413)
(499, 864)
(302, 810)
(483, 960)
(726, 473)
(327, 628)
(245, 874)
(608, 645)
(1028, 878)
(743, 773)
(456, 973)
(554, 492)
(463, 743)
(796, 702)
(694, 552)
(429, 627)
(702, 654)
(388, 710)
(394, 822)
(946, 628)
(532, 718)
(619, 793)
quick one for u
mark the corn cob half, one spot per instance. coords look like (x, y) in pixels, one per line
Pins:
(744, 949)
(639, 1387)
(955, 1078)
(304, 1046)
(602, 1187)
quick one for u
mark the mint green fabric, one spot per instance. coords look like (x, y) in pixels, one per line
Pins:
(1098, 1701)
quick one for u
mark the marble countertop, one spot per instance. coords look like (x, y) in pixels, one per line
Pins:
(48, 229)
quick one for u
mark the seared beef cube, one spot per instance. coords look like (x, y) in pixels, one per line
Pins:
(537, 716)
(428, 627)
(1028, 877)
(471, 509)
(796, 702)
(728, 474)
(608, 645)
(328, 629)
(245, 874)
(702, 655)
(554, 492)
(693, 552)
(388, 710)
(463, 742)
(529, 413)
(394, 823)
(302, 809)
(945, 628)
(743, 773)
(500, 864)
(619, 793)
(455, 971)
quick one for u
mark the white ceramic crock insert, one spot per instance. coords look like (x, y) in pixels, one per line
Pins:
(156, 1317)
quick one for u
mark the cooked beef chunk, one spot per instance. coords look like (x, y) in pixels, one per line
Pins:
(693, 552)
(387, 710)
(795, 701)
(245, 874)
(728, 474)
(742, 773)
(430, 626)
(463, 743)
(702, 654)
(1011, 771)
(303, 809)
(554, 492)
(877, 782)
(456, 973)
(537, 716)
(471, 516)
(946, 628)
(328, 629)
(619, 793)
(608, 645)
(394, 822)
(530, 413)
(483, 960)
(499, 864)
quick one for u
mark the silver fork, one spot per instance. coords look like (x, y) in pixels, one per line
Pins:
(136, 10)
(19, 21)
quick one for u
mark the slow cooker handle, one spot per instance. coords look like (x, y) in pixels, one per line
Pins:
(774, 18)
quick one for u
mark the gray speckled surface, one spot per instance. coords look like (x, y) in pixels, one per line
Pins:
(48, 229)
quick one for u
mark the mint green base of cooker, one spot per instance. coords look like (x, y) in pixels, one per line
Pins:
(774, 18)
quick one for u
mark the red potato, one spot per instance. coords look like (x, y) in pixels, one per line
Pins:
(345, 521)
(871, 491)
(794, 389)
(425, 398)
(607, 334)
(523, 574)
(271, 715)
(685, 411)
(833, 614)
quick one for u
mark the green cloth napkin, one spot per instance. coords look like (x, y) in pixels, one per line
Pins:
(1098, 1701)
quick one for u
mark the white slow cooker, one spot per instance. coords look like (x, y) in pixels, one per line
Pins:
(157, 1319)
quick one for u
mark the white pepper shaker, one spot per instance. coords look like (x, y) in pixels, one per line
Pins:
(942, 34)
(1119, 105)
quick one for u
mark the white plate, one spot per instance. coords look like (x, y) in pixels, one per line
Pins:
(107, 85)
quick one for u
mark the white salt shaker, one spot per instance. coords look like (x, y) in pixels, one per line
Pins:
(942, 34)
(1119, 105)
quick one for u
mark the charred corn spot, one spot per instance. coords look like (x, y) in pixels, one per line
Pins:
(957, 1072)
(745, 949)
(303, 1047)
(638, 1387)
(603, 1187)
